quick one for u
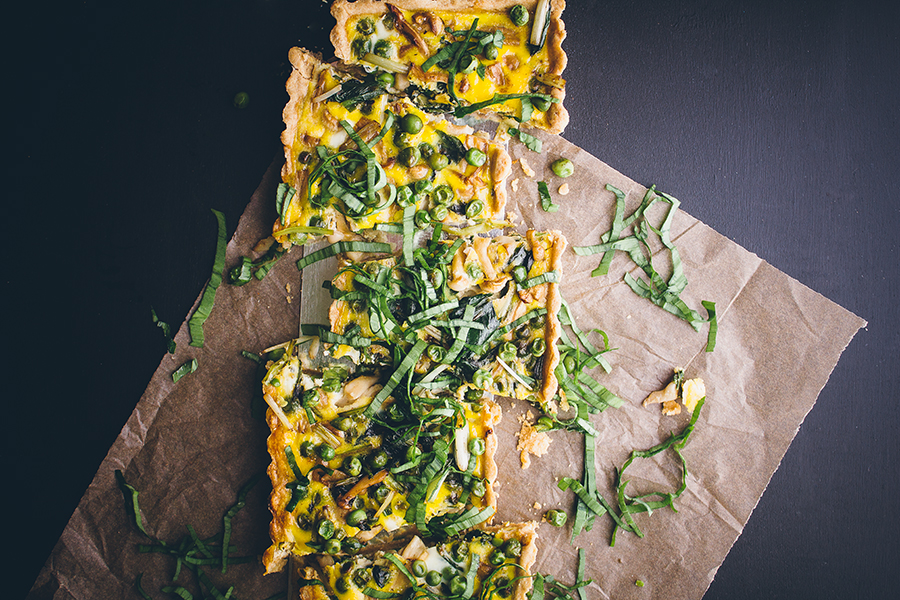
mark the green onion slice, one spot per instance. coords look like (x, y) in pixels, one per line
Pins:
(546, 202)
(185, 369)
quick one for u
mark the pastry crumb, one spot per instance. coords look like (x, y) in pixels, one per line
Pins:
(526, 168)
(564, 189)
(514, 184)
(537, 506)
(531, 441)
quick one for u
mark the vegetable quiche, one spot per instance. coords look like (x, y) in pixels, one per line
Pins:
(491, 58)
(493, 562)
(356, 156)
(347, 476)
(486, 306)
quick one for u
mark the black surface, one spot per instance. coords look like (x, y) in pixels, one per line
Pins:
(776, 123)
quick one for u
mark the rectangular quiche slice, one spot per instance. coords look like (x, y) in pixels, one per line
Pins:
(357, 155)
(493, 562)
(346, 477)
(492, 58)
(486, 306)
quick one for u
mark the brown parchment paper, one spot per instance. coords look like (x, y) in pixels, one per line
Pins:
(190, 446)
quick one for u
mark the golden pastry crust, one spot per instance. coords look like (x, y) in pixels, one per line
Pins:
(551, 335)
(557, 116)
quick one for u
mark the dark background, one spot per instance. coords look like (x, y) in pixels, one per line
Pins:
(776, 123)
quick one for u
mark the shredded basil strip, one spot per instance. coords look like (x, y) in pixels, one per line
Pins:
(406, 365)
(710, 307)
(226, 520)
(185, 369)
(531, 142)
(251, 356)
(131, 501)
(166, 330)
(462, 111)
(580, 576)
(283, 196)
(195, 324)
(341, 248)
(548, 277)
(379, 594)
(546, 202)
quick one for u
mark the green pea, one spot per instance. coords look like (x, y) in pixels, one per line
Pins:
(442, 194)
(476, 446)
(419, 568)
(360, 47)
(379, 459)
(474, 209)
(538, 347)
(325, 452)
(569, 363)
(411, 123)
(497, 557)
(426, 150)
(477, 488)
(439, 213)
(475, 157)
(468, 64)
(344, 423)
(241, 100)
(381, 493)
(508, 352)
(353, 466)
(520, 273)
(448, 573)
(433, 578)
(541, 104)
(342, 585)
(405, 195)
(563, 167)
(307, 449)
(366, 26)
(497, 541)
(275, 382)
(513, 548)
(424, 186)
(356, 517)
(491, 52)
(409, 156)
(402, 139)
(438, 161)
(422, 219)
(457, 585)
(333, 546)
(518, 14)
(460, 551)
(555, 517)
(473, 395)
(385, 79)
(325, 529)
(382, 48)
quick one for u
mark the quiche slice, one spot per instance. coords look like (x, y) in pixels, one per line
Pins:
(356, 156)
(492, 58)
(486, 307)
(494, 562)
(347, 477)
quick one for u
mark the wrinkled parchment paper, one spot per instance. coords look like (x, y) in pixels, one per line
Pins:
(188, 447)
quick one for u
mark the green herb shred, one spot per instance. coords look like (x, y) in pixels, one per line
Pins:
(185, 369)
(195, 324)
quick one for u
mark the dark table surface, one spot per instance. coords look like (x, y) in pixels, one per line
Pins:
(775, 122)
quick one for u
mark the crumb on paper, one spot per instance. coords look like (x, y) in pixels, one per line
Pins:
(692, 390)
(514, 184)
(526, 168)
(531, 441)
(563, 189)
(537, 506)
